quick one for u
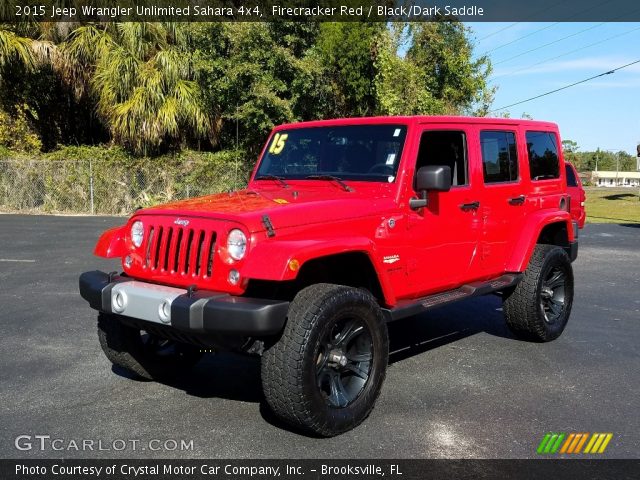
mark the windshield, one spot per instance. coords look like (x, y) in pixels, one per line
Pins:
(355, 152)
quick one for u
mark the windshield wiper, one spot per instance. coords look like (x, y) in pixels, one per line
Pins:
(346, 187)
(273, 177)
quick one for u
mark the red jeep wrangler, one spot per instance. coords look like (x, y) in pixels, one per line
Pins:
(345, 225)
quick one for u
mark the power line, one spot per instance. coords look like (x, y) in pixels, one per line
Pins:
(519, 38)
(566, 86)
(498, 31)
(533, 15)
(573, 35)
(584, 47)
(550, 43)
(547, 27)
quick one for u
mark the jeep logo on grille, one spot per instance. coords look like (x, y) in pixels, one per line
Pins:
(180, 221)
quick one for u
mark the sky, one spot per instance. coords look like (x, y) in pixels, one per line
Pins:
(530, 59)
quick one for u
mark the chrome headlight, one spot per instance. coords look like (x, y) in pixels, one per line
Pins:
(137, 233)
(236, 244)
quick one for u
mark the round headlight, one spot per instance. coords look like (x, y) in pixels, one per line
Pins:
(137, 233)
(236, 244)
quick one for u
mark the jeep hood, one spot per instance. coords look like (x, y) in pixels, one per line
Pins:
(285, 207)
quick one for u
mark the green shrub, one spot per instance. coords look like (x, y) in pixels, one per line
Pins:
(16, 132)
(61, 181)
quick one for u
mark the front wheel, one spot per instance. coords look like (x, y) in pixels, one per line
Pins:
(145, 355)
(539, 307)
(326, 371)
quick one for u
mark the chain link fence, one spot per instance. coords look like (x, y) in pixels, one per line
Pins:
(101, 188)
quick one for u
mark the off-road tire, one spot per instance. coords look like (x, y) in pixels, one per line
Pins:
(289, 367)
(523, 306)
(123, 346)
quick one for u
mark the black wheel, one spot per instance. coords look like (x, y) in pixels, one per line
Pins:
(146, 355)
(326, 371)
(540, 305)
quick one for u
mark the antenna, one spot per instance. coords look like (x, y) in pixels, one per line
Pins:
(638, 162)
(235, 175)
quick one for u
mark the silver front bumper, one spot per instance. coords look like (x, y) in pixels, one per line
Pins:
(144, 301)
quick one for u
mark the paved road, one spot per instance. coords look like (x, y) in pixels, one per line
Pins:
(458, 385)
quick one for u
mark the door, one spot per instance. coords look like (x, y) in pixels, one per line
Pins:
(443, 235)
(503, 200)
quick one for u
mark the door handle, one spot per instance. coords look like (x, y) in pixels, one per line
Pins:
(470, 206)
(517, 200)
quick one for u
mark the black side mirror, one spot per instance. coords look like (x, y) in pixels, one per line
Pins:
(431, 177)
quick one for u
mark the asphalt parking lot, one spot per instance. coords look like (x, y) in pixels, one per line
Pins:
(458, 385)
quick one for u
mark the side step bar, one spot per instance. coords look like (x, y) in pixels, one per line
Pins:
(408, 308)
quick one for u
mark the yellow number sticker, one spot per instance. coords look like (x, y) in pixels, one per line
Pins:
(278, 143)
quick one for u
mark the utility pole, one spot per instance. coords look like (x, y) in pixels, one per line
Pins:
(615, 153)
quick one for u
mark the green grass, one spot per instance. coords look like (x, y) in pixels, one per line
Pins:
(612, 205)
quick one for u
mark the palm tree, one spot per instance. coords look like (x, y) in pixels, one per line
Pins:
(28, 47)
(15, 48)
(143, 80)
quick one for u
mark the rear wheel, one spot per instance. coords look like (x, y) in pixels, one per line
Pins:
(540, 305)
(145, 355)
(326, 371)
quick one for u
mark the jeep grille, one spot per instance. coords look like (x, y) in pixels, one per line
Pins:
(178, 250)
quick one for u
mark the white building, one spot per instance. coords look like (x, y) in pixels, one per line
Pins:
(615, 179)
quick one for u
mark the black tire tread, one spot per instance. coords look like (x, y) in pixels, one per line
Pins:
(122, 347)
(520, 307)
(282, 380)
(113, 340)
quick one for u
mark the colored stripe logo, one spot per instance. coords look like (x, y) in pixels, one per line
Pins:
(573, 443)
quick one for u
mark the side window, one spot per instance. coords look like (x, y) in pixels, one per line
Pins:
(571, 177)
(499, 156)
(543, 155)
(448, 148)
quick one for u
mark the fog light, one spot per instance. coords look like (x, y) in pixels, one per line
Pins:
(164, 311)
(119, 302)
(234, 277)
(127, 261)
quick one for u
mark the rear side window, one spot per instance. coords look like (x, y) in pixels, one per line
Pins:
(571, 177)
(499, 156)
(543, 155)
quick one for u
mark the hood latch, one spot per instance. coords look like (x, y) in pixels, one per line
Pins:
(266, 221)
